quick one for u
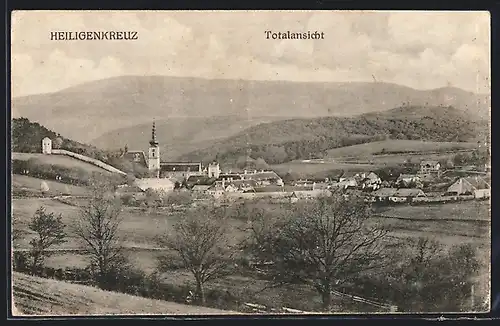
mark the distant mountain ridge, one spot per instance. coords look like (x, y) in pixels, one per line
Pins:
(88, 111)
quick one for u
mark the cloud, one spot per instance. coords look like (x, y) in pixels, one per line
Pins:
(417, 49)
(59, 71)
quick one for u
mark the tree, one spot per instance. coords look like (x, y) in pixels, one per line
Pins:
(261, 164)
(324, 244)
(201, 241)
(57, 143)
(98, 227)
(49, 230)
(178, 197)
(15, 232)
(431, 278)
(289, 177)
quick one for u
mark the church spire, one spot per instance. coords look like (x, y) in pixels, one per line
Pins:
(153, 141)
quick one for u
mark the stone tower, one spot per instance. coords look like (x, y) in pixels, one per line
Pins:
(46, 146)
(213, 170)
(154, 154)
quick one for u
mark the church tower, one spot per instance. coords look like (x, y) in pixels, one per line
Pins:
(154, 153)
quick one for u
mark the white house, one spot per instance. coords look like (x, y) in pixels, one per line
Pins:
(46, 146)
(165, 185)
(476, 186)
(430, 167)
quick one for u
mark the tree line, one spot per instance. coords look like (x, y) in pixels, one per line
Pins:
(288, 140)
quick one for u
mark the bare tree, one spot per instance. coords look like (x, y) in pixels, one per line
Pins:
(49, 230)
(324, 244)
(200, 239)
(98, 227)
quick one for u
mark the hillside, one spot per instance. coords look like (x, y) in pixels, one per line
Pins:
(22, 184)
(60, 160)
(39, 296)
(87, 111)
(288, 140)
(178, 136)
(26, 138)
(397, 146)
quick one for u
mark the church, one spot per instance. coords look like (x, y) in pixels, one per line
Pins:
(178, 171)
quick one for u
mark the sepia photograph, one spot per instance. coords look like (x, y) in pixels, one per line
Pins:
(250, 162)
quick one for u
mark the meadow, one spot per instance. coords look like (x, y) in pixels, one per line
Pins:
(60, 160)
(33, 185)
(398, 146)
(321, 170)
(40, 296)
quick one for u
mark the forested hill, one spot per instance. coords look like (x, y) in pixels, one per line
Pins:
(283, 141)
(27, 138)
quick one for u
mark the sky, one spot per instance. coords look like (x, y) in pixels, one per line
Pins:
(422, 50)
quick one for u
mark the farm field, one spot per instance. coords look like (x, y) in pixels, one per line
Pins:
(39, 296)
(467, 210)
(398, 159)
(140, 228)
(61, 160)
(406, 146)
(321, 170)
(23, 182)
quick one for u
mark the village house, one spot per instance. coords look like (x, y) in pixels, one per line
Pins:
(262, 177)
(348, 176)
(46, 145)
(397, 195)
(200, 189)
(133, 191)
(369, 181)
(164, 185)
(179, 171)
(362, 180)
(430, 167)
(476, 186)
(137, 157)
(409, 181)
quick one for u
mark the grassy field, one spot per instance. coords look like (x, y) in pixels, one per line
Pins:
(61, 160)
(39, 296)
(140, 228)
(22, 182)
(321, 170)
(470, 210)
(470, 222)
(406, 146)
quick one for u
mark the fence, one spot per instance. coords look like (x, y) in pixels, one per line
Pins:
(87, 159)
(383, 306)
